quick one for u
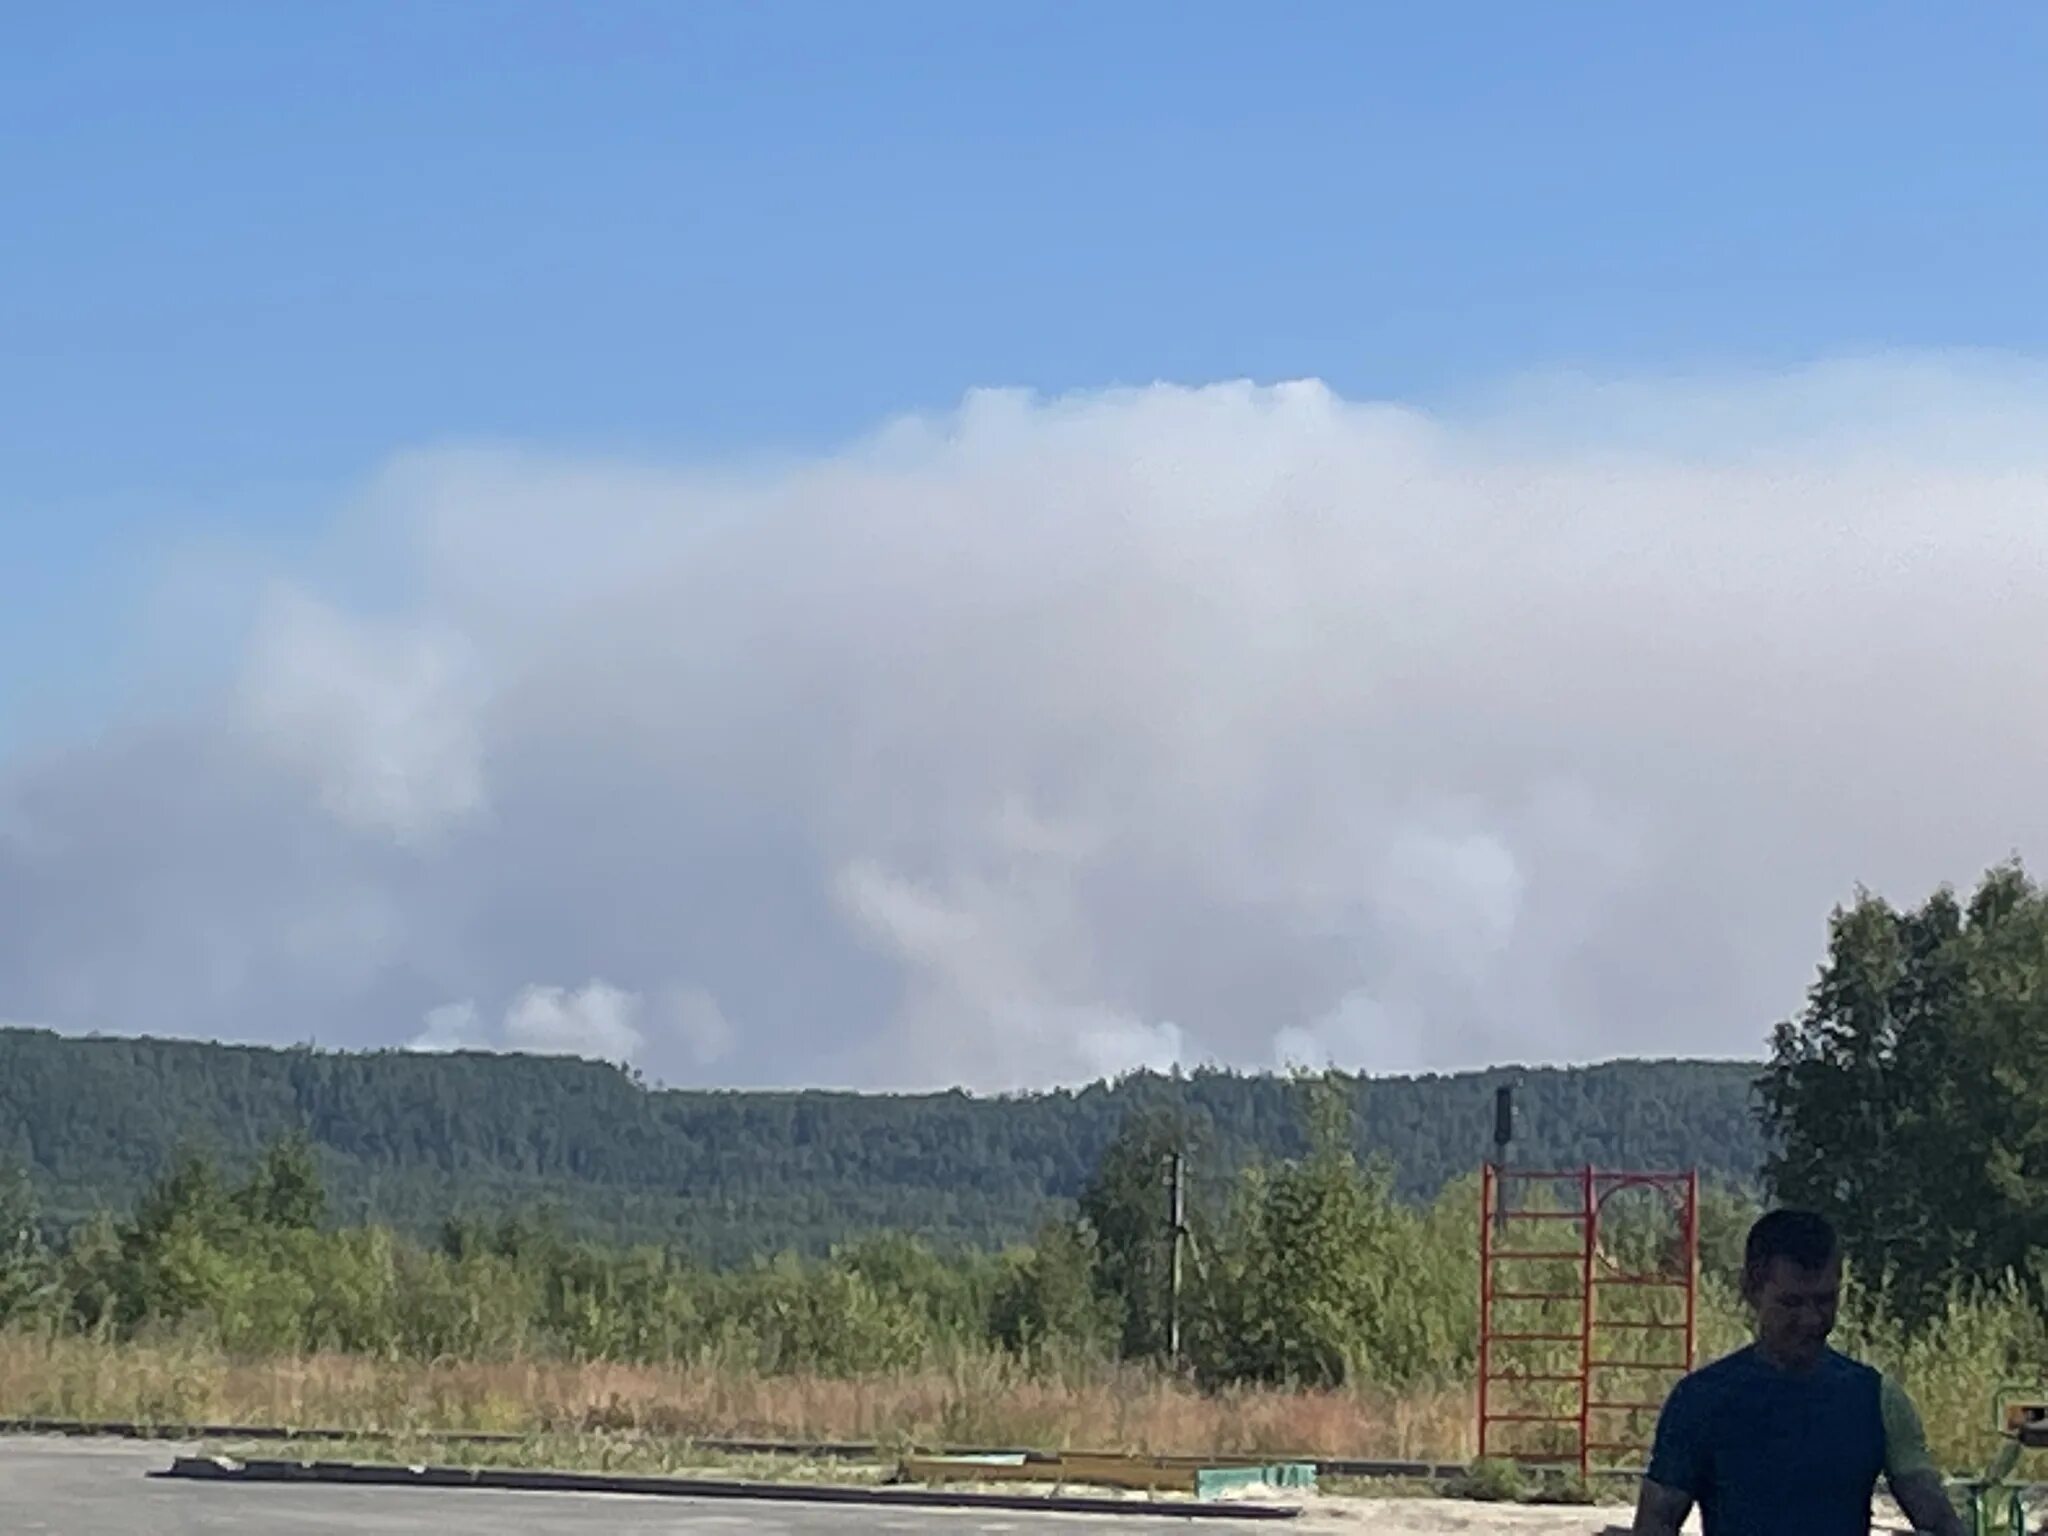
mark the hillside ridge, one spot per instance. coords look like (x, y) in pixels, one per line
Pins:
(412, 1139)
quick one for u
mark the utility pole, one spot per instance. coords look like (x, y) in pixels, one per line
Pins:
(1176, 1183)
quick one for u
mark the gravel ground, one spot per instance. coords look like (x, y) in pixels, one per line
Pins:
(1453, 1517)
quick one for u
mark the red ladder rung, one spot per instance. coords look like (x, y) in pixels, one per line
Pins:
(1532, 1418)
(1575, 1256)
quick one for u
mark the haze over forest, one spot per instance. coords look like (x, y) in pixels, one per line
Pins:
(1044, 738)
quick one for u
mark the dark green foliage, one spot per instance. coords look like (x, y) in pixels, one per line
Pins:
(1308, 1262)
(1910, 1099)
(411, 1141)
(1049, 1296)
(1321, 1276)
(497, 1207)
(1315, 1273)
(189, 1195)
(1499, 1481)
(243, 1266)
(1307, 1270)
(29, 1289)
(285, 1190)
(1126, 1210)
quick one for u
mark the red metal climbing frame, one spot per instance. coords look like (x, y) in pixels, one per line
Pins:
(1565, 1378)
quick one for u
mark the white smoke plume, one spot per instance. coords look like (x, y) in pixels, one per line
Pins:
(1044, 738)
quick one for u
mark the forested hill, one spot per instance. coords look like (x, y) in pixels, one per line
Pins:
(412, 1139)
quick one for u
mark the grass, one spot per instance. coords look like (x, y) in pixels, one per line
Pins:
(963, 1397)
(624, 1452)
(975, 1400)
(1497, 1481)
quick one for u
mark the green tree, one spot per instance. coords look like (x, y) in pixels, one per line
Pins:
(1047, 1298)
(1909, 1100)
(1126, 1207)
(93, 1272)
(285, 1190)
(189, 1194)
(1311, 1265)
(1725, 1217)
(29, 1282)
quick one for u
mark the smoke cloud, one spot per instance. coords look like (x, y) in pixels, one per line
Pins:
(1039, 739)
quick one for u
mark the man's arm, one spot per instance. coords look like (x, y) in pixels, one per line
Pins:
(1909, 1467)
(1924, 1498)
(1660, 1511)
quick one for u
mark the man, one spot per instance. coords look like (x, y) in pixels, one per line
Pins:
(1788, 1437)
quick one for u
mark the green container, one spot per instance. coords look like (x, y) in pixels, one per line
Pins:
(1211, 1481)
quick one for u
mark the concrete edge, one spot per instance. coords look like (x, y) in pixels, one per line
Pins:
(219, 1469)
(832, 1450)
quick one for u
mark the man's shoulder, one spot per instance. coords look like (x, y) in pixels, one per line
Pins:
(1712, 1382)
(1742, 1370)
(1848, 1371)
(1737, 1365)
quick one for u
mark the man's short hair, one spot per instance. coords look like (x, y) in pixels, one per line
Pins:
(1804, 1237)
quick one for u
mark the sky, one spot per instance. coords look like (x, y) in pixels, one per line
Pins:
(901, 545)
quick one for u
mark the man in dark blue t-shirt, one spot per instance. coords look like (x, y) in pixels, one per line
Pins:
(1788, 1437)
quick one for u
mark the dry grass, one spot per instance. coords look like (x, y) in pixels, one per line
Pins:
(627, 1454)
(978, 1400)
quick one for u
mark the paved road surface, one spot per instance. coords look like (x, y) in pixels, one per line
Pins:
(102, 1488)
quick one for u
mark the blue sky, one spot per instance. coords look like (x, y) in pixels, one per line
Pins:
(250, 250)
(250, 253)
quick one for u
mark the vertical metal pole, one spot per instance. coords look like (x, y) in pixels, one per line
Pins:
(1503, 1133)
(1692, 1264)
(1486, 1219)
(1178, 1215)
(1587, 1309)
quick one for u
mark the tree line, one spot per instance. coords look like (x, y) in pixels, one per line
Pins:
(1305, 1270)
(411, 1141)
